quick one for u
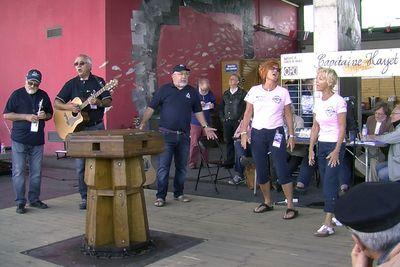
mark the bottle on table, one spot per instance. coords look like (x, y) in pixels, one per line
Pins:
(364, 132)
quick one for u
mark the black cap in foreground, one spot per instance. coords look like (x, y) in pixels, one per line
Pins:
(34, 75)
(370, 207)
(179, 68)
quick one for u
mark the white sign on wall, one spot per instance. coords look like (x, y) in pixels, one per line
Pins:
(357, 63)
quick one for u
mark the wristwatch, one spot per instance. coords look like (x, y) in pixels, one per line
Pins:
(204, 126)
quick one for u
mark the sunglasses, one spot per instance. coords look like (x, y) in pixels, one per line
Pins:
(80, 64)
(276, 68)
(34, 84)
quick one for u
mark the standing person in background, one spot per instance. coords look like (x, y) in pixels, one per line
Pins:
(28, 108)
(231, 112)
(329, 126)
(207, 101)
(270, 105)
(83, 86)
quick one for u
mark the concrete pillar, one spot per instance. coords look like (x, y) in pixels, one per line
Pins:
(336, 25)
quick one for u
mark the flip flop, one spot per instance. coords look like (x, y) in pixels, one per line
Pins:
(263, 208)
(295, 214)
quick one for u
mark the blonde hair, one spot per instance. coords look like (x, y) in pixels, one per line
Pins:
(330, 75)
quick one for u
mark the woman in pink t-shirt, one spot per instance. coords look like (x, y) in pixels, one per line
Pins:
(269, 106)
(329, 130)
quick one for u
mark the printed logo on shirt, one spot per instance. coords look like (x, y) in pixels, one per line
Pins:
(277, 99)
(188, 95)
(330, 111)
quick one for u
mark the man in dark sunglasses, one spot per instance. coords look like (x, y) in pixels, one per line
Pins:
(84, 86)
(28, 108)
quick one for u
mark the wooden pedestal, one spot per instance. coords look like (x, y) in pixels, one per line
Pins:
(116, 218)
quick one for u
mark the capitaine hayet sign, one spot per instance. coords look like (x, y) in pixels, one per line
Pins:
(357, 63)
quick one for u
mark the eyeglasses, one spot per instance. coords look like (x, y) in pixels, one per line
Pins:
(276, 68)
(80, 64)
(380, 114)
(31, 83)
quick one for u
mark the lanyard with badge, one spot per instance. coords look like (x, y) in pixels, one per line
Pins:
(35, 124)
(277, 139)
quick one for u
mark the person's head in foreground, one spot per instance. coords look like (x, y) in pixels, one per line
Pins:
(372, 213)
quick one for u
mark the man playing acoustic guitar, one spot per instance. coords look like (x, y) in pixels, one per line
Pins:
(84, 86)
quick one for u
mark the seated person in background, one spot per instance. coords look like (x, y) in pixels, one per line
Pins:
(241, 156)
(377, 124)
(389, 170)
(374, 223)
(207, 101)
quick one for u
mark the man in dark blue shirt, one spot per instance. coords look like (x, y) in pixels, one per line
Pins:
(84, 86)
(28, 108)
(177, 101)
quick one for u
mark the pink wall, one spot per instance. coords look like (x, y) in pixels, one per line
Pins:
(24, 45)
(119, 54)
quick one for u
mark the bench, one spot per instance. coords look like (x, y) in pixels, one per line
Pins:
(53, 136)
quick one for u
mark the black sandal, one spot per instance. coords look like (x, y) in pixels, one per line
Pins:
(295, 214)
(263, 208)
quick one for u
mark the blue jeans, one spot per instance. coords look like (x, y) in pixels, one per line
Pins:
(306, 172)
(261, 144)
(240, 152)
(330, 175)
(80, 164)
(176, 146)
(34, 155)
(382, 170)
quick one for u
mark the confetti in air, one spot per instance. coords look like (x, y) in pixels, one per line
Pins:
(116, 68)
(103, 65)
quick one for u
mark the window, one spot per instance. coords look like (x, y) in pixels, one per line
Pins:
(380, 14)
(308, 18)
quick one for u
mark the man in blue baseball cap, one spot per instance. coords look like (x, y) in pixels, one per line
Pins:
(372, 212)
(177, 101)
(28, 108)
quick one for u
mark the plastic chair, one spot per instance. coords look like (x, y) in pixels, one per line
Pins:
(216, 162)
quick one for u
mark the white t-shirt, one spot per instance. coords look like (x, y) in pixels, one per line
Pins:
(268, 106)
(326, 114)
(377, 127)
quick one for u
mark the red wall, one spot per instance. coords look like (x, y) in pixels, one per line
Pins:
(24, 45)
(280, 16)
(201, 41)
(119, 54)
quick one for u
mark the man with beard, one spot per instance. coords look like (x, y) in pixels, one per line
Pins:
(28, 108)
(84, 86)
(177, 101)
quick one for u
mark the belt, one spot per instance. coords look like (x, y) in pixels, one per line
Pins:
(91, 124)
(165, 130)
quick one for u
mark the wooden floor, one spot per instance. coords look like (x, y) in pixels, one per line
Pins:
(235, 236)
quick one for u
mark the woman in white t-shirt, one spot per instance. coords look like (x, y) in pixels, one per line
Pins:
(269, 105)
(329, 128)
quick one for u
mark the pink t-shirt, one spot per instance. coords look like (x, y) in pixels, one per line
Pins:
(326, 114)
(268, 106)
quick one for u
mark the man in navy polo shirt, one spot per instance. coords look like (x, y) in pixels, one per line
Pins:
(177, 101)
(28, 108)
(84, 86)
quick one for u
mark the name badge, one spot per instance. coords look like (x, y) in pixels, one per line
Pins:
(277, 139)
(35, 127)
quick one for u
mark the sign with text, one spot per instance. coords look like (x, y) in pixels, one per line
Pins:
(357, 63)
(231, 67)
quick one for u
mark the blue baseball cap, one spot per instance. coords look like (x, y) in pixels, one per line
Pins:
(34, 75)
(179, 68)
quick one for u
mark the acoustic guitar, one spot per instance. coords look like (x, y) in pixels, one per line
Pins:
(67, 122)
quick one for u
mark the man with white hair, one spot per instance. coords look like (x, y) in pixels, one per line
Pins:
(84, 86)
(374, 222)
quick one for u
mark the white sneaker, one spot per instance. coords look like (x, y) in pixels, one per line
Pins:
(324, 231)
(336, 222)
(236, 180)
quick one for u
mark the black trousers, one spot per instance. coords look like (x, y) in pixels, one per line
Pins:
(229, 130)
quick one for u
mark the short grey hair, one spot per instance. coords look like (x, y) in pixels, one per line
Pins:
(330, 74)
(380, 241)
(87, 59)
